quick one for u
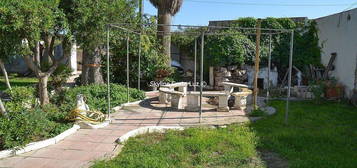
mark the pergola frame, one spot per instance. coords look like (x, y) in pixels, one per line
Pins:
(201, 34)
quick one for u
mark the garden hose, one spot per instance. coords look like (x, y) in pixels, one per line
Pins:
(92, 117)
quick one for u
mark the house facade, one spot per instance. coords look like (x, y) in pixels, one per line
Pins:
(338, 34)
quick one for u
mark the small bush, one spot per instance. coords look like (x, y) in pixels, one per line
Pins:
(22, 127)
(26, 122)
(21, 98)
(96, 96)
(21, 93)
(318, 89)
(59, 77)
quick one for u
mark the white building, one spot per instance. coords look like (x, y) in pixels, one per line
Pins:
(338, 34)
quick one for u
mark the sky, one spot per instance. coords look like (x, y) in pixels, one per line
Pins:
(199, 12)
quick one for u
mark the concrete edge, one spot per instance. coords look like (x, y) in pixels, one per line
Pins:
(38, 145)
(84, 125)
(147, 129)
(130, 103)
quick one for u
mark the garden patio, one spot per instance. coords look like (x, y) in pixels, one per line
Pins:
(86, 146)
(102, 84)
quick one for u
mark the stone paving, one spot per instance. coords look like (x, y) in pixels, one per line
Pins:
(85, 146)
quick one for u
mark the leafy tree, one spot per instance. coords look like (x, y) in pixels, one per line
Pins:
(185, 40)
(225, 50)
(151, 57)
(88, 21)
(306, 48)
(165, 10)
(8, 50)
(29, 23)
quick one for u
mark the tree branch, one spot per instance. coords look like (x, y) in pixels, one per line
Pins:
(31, 64)
(51, 46)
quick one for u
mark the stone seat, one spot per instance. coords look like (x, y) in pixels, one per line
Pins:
(193, 102)
(229, 86)
(165, 97)
(241, 99)
(176, 97)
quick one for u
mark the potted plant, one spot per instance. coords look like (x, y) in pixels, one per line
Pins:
(333, 90)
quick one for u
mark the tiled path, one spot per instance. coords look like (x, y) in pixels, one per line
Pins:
(85, 146)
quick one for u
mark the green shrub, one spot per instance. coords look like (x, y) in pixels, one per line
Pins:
(318, 89)
(21, 97)
(21, 93)
(59, 77)
(96, 96)
(26, 122)
(22, 127)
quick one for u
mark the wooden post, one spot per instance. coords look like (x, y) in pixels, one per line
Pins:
(257, 60)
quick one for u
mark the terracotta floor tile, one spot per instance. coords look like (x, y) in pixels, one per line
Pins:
(48, 153)
(11, 161)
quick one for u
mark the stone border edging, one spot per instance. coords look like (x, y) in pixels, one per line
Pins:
(38, 145)
(130, 103)
(148, 129)
(93, 126)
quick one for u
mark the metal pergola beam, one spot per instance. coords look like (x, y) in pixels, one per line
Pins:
(108, 73)
(195, 67)
(201, 72)
(290, 74)
(269, 66)
(196, 26)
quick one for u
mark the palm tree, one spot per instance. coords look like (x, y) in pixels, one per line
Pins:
(165, 10)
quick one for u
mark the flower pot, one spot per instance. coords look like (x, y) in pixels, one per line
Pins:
(334, 92)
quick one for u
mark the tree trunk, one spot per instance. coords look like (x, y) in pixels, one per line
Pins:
(164, 35)
(2, 66)
(85, 68)
(42, 88)
(38, 54)
(91, 71)
(46, 60)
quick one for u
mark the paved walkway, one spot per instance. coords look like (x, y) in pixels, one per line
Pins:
(85, 146)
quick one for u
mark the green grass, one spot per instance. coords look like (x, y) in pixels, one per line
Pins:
(323, 135)
(17, 81)
(257, 113)
(198, 147)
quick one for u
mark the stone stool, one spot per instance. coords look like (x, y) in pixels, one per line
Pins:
(241, 99)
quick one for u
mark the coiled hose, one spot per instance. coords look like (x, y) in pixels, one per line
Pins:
(92, 117)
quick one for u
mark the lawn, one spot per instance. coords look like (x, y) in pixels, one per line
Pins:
(323, 135)
(17, 81)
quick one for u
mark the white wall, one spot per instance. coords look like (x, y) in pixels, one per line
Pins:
(73, 58)
(263, 73)
(338, 34)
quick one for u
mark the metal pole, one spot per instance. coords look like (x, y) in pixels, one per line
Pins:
(127, 67)
(269, 67)
(141, 7)
(108, 72)
(201, 73)
(195, 69)
(290, 71)
(139, 62)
